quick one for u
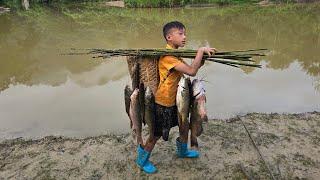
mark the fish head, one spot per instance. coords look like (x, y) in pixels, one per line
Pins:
(198, 88)
(184, 84)
(199, 130)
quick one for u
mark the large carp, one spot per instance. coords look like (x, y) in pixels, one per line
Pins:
(149, 114)
(135, 116)
(183, 104)
(136, 83)
(198, 111)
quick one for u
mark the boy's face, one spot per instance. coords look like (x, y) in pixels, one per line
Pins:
(177, 37)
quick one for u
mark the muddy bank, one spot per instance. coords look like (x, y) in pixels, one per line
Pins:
(289, 143)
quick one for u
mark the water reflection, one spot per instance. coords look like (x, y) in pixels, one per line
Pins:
(67, 109)
(267, 90)
(30, 46)
(73, 110)
(77, 95)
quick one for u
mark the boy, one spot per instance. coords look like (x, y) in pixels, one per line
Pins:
(171, 69)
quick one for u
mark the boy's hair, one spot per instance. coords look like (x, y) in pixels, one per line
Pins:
(171, 25)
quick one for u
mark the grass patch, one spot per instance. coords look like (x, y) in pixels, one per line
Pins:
(306, 161)
(16, 4)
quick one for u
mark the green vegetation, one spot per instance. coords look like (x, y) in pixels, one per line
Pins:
(147, 3)
(180, 3)
(17, 5)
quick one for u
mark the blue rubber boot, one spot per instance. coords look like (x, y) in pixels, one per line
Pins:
(183, 152)
(143, 161)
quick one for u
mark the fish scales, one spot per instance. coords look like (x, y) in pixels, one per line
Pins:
(149, 104)
(135, 116)
(198, 111)
(183, 101)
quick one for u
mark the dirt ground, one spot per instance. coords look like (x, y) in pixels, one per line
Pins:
(290, 144)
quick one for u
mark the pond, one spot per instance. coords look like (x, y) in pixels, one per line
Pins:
(45, 93)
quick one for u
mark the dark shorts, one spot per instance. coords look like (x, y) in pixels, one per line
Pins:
(166, 118)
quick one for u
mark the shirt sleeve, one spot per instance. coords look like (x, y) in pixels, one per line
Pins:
(170, 62)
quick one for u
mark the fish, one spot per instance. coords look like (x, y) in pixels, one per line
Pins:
(183, 103)
(135, 75)
(127, 93)
(198, 112)
(135, 117)
(137, 83)
(149, 114)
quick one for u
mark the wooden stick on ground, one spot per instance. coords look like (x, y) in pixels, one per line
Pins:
(256, 147)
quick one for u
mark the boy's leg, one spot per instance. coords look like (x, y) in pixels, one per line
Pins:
(151, 142)
(145, 152)
(144, 155)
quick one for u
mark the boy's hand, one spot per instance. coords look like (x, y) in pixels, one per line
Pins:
(192, 69)
(208, 50)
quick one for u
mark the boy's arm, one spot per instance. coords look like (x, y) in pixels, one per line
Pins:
(192, 69)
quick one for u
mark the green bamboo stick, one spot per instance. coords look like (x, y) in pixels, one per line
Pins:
(186, 52)
(237, 63)
(231, 58)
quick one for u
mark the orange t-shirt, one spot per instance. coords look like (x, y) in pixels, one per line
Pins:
(169, 80)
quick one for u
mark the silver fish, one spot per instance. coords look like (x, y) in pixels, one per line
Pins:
(149, 115)
(135, 116)
(198, 111)
(183, 103)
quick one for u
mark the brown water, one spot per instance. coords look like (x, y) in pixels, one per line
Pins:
(45, 93)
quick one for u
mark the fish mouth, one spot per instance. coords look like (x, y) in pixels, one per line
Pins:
(204, 118)
(200, 130)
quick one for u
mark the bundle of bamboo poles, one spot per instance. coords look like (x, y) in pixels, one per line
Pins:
(231, 58)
